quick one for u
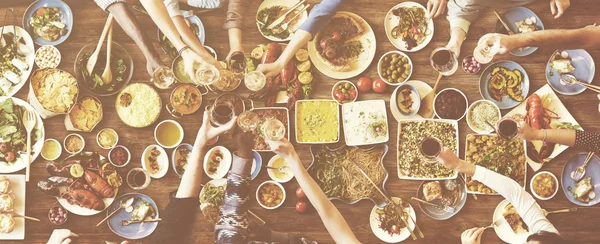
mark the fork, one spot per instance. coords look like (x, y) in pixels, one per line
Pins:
(28, 122)
(285, 25)
(127, 222)
(496, 223)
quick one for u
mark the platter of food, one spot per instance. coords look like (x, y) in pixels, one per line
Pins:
(195, 25)
(451, 193)
(513, 229)
(344, 48)
(138, 105)
(12, 202)
(520, 20)
(13, 152)
(549, 112)
(281, 114)
(155, 161)
(180, 158)
(212, 197)
(505, 83)
(17, 60)
(217, 162)
(576, 62)
(585, 191)
(481, 111)
(142, 210)
(317, 121)
(271, 10)
(399, 100)
(49, 21)
(505, 157)
(121, 67)
(411, 164)
(365, 123)
(52, 92)
(408, 27)
(337, 172)
(386, 223)
(85, 183)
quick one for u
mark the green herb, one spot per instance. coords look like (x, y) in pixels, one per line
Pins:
(566, 125)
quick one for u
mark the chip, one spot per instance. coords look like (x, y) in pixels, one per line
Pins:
(86, 114)
(55, 89)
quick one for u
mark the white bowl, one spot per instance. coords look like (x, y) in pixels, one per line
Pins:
(128, 156)
(280, 187)
(77, 135)
(342, 82)
(390, 53)
(59, 150)
(477, 130)
(162, 160)
(52, 49)
(538, 196)
(180, 131)
(223, 166)
(98, 138)
(461, 93)
(271, 173)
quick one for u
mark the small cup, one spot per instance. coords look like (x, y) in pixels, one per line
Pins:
(280, 187)
(557, 184)
(128, 156)
(60, 211)
(178, 127)
(76, 135)
(59, 150)
(98, 138)
(132, 175)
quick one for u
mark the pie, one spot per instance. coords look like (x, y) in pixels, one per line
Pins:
(339, 54)
(514, 219)
(432, 191)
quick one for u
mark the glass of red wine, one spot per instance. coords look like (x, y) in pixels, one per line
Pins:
(430, 148)
(138, 179)
(507, 128)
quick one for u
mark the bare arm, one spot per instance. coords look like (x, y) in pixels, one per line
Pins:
(298, 41)
(158, 12)
(192, 41)
(584, 38)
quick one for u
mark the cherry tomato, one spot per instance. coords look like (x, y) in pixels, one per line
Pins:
(301, 206)
(379, 86)
(338, 95)
(395, 229)
(300, 193)
(414, 30)
(336, 36)
(363, 84)
(352, 94)
(40, 11)
(4, 147)
(325, 43)
(10, 156)
(330, 52)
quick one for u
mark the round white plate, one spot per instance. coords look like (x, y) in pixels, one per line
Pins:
(29, 59)
(503, 230)
(359, 65)
(384, 236)
(163, 162)
(423, 89)
(223, 166)
(287, 3)
(37, 147)
(215, 182)
(390, 22)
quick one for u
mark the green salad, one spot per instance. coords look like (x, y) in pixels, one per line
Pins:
(13, 136)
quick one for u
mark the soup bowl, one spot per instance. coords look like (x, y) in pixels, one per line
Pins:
(162, 132)
(185, 99)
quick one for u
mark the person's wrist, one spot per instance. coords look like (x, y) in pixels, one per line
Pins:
(243, 153)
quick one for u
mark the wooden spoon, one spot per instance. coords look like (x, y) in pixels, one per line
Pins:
(91, 63)
(107, 74)
(426, 109)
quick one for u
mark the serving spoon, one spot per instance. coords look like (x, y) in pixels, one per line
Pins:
(91, 63)
(281, 169)
(570, 80)
(107, 74)
(579, 172)
(426, 109)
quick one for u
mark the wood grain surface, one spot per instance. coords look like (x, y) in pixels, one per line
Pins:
(581, 226)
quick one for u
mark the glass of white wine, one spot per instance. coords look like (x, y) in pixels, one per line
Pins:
(163, 77)
(273, 129)
(248, 121)
(487, 47)
(206, 74)
(255, 80)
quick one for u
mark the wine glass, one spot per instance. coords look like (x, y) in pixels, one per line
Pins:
(206, 74)
(248, 121)
(430, 148)
(163, 77)
(273, 129)
(487, 47)
(508, 128)
(255, 80)
(444, 61)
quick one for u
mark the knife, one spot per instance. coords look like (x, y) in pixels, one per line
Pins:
(281, 18)
(510, 32)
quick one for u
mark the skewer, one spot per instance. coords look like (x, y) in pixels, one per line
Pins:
(25, 217)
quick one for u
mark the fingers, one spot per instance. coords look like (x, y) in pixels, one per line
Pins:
(205, 117)
(441, 10)
(434, 10)
(429, 7)
(561, 7)
(66, 241)
(223, 128)
(478, 231)
(73, 234)
(553, 7)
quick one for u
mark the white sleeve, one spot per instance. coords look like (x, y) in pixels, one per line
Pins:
(530, 212)
(172, 7)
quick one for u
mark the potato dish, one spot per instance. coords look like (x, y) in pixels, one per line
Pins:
(317, 121)
(544, 185)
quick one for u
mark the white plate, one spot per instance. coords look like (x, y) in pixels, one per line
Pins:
(423, 89)
(37, 147)
(17, 184)
(162, 160)
(215, 182)
(391, 20)
(287, 3)
(555, 105)
(361, 64)
(29, 59)
(223, 166)
(503, 230)
(384, 236)
(351, 113)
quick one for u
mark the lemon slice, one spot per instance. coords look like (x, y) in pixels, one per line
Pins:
(114, 180)
(304, 66)
(76, 170)
(305, 78)
(257, 53)
(302, 55)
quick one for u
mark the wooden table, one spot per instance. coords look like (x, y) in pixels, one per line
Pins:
(89, 20)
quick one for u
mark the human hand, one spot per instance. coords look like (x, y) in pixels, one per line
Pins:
(190, 59)
(270, 70)
(472, 236)
(283, 148)
(436, 7)
(61, 236)
(558, 7)
(449, 159)
(454, 48)
(529, 134)
(244, 141)
(207, 131)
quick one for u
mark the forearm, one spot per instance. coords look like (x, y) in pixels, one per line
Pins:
(234, 18)
(192, 177)
(297, 42)
(158, 12)
(559, 136)
(233, 221)
(583, 38)
(332, 218)
(189, 38)
(133, 29)
(235, 39)
(457, 36)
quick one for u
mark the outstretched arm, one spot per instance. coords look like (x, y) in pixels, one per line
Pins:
(584, 140)
(584, 38)
(332, 218)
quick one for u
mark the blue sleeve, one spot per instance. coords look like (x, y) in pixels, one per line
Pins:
(319, 16)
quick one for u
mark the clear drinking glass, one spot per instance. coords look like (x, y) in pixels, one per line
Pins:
(138, 179)
(487, 47)
(206, 74)
(273, 129)
(255, 81)
(248, 121)
(444, 61)
(163, 77)
(508, 128)
(430, 148)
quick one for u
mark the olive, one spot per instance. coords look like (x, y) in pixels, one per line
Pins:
(394, 76)
(404, 59)
(386, 59)
(394, 55)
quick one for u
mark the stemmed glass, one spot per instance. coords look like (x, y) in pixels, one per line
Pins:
(248, 121)
(163, 77)
(487, 47)
(444, 61)
(273, 129)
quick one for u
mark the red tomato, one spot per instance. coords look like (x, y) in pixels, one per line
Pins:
(10, 156)
(352, 94)
(336, 36)
(338, 95)
(301, 206)
(379, 86)
(40, 11)
(395, 229)
(330, 52)
(363, 84)
(414, 30)
(300, 193)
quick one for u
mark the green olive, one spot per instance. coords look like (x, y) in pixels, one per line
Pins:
(394, 55)
(404, 59)
(386, 59)
(394, 76)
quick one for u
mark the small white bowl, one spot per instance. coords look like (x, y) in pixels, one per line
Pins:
(555, 181)
(280, 187)
(416, 97)
(224, 165)
(50, 49)
(461, 93)
(342, 82)
(389, 54)
(162, 160)
(98, 138)
(180, 131)
(128, 156)
(477, 130)
(77, 135)
(59, 149)
(271, 173)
